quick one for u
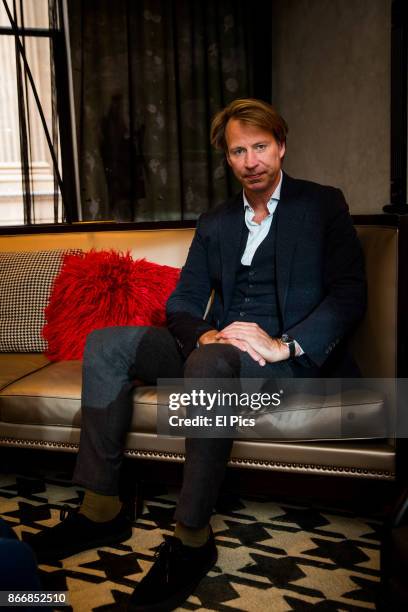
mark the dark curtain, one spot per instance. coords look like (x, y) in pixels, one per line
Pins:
(148, 77)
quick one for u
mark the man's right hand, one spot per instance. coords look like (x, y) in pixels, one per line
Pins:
(210, 338)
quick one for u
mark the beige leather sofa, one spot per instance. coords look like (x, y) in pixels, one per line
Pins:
(40, 401)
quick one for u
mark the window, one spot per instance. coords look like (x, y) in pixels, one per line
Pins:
(32, 64)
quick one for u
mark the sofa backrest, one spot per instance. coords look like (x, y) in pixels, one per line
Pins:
(163, 246)
(374, 344)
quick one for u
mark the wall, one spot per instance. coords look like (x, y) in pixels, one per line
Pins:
(331, 82)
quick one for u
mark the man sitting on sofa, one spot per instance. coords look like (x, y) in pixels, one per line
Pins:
(286, 268)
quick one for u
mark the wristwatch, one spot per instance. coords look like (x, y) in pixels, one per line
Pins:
(290, 343)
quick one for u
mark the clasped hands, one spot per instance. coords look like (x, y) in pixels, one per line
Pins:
(251, 339)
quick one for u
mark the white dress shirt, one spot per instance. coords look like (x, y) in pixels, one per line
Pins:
(258, 231)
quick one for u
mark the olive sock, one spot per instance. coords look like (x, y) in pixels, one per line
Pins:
(100, 508)
(191, 536)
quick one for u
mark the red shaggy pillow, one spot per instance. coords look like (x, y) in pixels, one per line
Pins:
(100, 289)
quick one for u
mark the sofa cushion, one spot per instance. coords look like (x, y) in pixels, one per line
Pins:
(349, 414)
(102, 289)
(14, 366)
(51, 396)
(26, 279)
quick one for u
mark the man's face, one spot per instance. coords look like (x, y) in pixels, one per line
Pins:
(254, 156)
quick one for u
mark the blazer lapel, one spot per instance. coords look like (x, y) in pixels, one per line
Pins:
(230, 232)
(290, 213)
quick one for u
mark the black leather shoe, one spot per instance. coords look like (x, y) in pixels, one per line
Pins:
(174, 576)
(77, 533)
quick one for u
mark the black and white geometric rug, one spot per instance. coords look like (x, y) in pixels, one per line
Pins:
(272, 556)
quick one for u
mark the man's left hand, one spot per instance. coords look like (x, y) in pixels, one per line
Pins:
(271, 349)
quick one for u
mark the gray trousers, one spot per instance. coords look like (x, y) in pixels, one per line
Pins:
(118, 358)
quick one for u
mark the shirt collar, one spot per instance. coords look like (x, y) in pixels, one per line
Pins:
(275, 197)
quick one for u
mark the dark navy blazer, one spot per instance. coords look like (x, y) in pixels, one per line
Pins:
(319, 270)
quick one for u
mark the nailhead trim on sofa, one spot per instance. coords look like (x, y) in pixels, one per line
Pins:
(250, 463)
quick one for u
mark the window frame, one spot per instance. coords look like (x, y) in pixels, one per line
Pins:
(59, 38)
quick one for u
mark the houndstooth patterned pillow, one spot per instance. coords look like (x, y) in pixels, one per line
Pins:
(26, 280)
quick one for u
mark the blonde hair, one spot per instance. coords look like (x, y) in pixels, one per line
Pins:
(252, 111)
